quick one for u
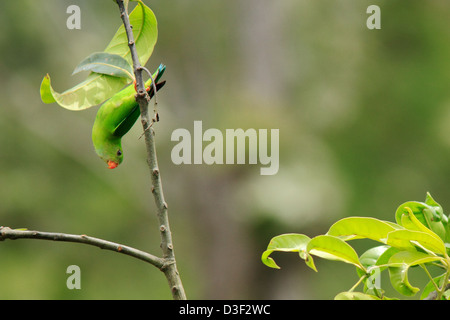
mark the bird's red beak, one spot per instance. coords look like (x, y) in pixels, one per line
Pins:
(112, 164)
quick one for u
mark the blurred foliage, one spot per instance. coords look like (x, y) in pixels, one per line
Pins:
(363, 118)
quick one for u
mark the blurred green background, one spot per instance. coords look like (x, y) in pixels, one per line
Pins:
(364, 126)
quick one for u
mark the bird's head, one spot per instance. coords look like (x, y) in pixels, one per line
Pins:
(111, 152)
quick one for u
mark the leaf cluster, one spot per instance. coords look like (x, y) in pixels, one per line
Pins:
(111, 69)
(420, 236)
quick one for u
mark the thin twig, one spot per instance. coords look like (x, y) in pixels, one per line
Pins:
(155, 104)
(142, 98)
(153, 85)
(13, 234)
(429, 276)
(435, 294)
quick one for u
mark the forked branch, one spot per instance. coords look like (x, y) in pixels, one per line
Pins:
(167, 264)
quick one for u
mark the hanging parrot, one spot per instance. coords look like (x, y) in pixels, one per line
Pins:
(116, 117)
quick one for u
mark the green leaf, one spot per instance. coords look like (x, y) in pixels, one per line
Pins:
(407, 239)
(99, 87)
(383, 259)
(442, 217)
(417, 209)
(371, 256)
(106, 63)
(399, 264)
(409, 221)
(430, 286)
(430, 216)
(447, 231)
(290, 242)
(362, 227)
(145, 32)
(93, 91)
(355, 296)
(333, 248)
(369, 260)
(47, 93)
(437, 207)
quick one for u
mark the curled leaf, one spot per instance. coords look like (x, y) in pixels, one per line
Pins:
(93, 91)
(399, 264)
(290, 242)
(409, 239)
(429, 214)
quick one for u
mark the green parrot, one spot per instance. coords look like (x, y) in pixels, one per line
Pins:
(116, 117)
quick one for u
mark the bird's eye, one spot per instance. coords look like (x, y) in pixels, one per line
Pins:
(119, 153)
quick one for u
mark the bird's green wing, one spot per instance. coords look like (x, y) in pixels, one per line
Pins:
(131, 118)
(130, 109)
(118, 114)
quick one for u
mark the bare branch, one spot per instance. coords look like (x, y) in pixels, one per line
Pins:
(13, 234)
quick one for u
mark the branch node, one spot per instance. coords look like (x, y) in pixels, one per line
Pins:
(167, 263)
